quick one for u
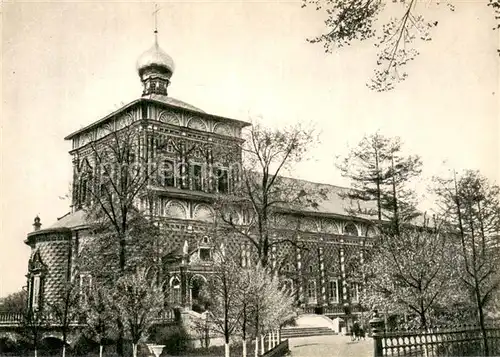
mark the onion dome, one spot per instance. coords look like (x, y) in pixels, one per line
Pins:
(155, 57)
(155, 68)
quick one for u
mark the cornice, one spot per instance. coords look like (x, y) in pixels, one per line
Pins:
(238, 123)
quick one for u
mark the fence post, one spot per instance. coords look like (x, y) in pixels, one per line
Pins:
(377, 326)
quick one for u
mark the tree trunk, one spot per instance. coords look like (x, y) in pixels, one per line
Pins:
(36, 353)
(134, 349)
(395, 201)
(100, 350)
(119, 341)
(257, 346)
(122, 253)
(64, 351)
(226, 349)
(244, 347)
(262, 349)
(480, 311)
(379, 192)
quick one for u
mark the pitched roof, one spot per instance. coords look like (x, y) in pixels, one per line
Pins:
(173, 102)
(336, 203)
(70, 220)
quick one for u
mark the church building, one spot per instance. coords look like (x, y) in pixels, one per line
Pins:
(321, 275)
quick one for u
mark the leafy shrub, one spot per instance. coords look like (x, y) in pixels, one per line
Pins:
(7, 345)
(175, 338)
(85, 346)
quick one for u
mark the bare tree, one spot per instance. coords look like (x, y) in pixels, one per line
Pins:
(139, 302)
(112, 187)
(65, 311)
(348, 21)
(471, 206)
(262, 194)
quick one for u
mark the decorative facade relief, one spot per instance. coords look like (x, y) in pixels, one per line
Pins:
(171, 118)
(124, 121)
(371, 232)
(351, 229)
(175, 209)
(203, 212)
(330, 226)
(223, 129)
(197, 124)
(309, 225)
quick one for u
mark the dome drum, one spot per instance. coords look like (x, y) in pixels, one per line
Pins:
(155, 70)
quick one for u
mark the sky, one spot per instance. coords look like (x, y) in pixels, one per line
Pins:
(65, 65)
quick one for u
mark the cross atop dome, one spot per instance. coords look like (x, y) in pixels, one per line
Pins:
(155, 66)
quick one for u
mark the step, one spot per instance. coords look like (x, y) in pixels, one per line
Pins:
(309, 333)
(314, 329)
(292, 332)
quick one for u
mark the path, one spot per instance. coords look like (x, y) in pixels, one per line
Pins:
(330, 346)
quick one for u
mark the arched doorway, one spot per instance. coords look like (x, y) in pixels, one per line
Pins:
(199, 298)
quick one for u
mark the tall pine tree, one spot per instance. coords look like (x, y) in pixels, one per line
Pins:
(379, 172)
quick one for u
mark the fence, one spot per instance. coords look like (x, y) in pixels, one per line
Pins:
(445, 341)
(279, 350)
(9, 318)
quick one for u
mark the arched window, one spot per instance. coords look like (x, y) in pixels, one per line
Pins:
(175, 290)
(350, 229)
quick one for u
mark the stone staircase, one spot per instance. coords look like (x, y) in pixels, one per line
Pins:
(291, 332)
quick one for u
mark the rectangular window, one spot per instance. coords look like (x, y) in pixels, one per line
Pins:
(354, 292)
(333, 292)
(197, 178)
(168, 174)
(83, 191)
(204, 254)
(36, 293)
(223, 182)
(220, 180)
(234, 178)
(185, 175)
(311, 290)
(85, 285)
